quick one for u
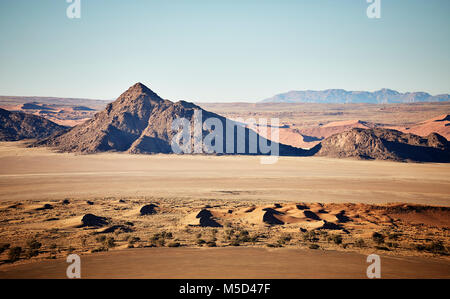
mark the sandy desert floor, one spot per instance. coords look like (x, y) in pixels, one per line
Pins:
(229, 263)
(315, 210)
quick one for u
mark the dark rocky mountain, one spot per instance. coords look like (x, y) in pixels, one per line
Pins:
(140, 122)
(385, 144)
(18, 125)
(341, 96)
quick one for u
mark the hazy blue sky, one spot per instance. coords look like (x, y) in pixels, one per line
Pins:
(229, 50)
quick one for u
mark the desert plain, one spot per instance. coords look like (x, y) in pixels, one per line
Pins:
(220, 216)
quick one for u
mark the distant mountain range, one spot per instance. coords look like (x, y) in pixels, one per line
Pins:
(140, 122)
(341, 96)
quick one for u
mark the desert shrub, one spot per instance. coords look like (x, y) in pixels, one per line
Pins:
(323, 234)
(157, 242)
(360, 243)
(29, 253)
(394, 236)
(99, 249)
(235, 242)
(159, 237)
(174, 244)
(378, 238)
(382, 248)
(228, 234)
(243, 236)
(253, 239)
(314, 246)
(435, 247)
(419, 247)
(337, 239)
(211, 244)
(110, 242)
(392, 244)
(237, 237)
(33, 244)
(133, 240)
(14, 254)
(201, 242)
(4, 247)
(32, 248)
(285, 238)
(167, 235)
(101, 239)
(310, 236)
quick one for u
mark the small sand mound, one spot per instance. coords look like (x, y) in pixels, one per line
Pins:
(121, 228)
(342, 218)
(302, 207)
(269, 217)
(319, 225)
(206, 219)
(47, 206)
(93, 221)
(311, 215)
(249, 210)
(148, 209)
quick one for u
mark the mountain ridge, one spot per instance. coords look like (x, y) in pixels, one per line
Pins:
(140, 122)
(16, 126)
(339, 96)
(385, 144)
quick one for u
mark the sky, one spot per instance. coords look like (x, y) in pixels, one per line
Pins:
(222, 51)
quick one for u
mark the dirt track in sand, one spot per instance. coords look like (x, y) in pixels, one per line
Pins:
(231, 263)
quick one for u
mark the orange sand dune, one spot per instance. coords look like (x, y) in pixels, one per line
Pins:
(439, 124)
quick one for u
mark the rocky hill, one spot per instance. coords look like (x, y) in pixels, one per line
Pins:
(385, 144)
(18, 125)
